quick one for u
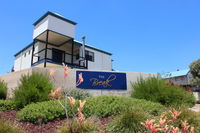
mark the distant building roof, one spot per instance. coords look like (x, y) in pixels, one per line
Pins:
(175, 74)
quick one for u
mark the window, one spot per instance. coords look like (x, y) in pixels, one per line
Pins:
(77, 56)
(89, 55)
(29, 51)
(25, 55)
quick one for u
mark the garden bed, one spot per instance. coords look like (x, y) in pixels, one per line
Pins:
(49, 127)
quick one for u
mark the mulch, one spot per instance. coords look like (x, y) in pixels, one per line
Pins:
(49, 127)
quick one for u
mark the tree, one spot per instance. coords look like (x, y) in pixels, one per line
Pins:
(195, 71)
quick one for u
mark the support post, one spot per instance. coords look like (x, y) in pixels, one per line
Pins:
(72, 57)
(33, 49)
(45, 56)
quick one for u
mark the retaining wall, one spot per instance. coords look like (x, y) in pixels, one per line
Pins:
(13, 79)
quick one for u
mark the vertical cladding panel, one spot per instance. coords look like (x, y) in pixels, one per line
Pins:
(61, 26)
(41, 27)
(17, 62)
(102, 61)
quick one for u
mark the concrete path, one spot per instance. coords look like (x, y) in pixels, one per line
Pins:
(195, 108)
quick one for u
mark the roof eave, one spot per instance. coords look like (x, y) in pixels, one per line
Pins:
(55, 15)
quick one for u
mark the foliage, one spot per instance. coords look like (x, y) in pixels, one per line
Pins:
(6, 127)
(42, 112)
(33, 88)
(198, 102)
(128, 122)
(193, 118)
(195, 71)
(154, 89)
(101, 106)
(89, 125)
(7, 105)
(3, 89)
(77, 93)
(104, 106)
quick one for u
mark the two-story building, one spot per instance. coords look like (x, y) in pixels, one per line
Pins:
(54, 43)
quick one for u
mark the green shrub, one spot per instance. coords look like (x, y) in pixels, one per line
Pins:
(33, 88)
(89, 125)
(154, 89)
(6, 127)
(101, 106)
(7, 105)
(42, 112)
(3, 89)
(77, 93)
(128, 122)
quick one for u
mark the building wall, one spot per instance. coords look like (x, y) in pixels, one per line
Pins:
(54, 24)
(40, 27)
(12, 79)
(102, 61)
(23, 60)
(61, 26)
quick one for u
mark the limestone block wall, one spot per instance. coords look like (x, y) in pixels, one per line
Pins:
(12, 79)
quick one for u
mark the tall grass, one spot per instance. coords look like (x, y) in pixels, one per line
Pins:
(155, 89)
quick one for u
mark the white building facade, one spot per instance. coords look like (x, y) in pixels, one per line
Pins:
(53, 43)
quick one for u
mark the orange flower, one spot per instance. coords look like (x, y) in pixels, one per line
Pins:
(71, 101)
(55, 94)
(80, 79)
(185, 126)
(192, 130)
(162, 121)
(175, 114)
(81, 117)
(81, 105)
(148, 123)
(65, 74)
(154, 128)
(65, 66)
(52, 94)
(52, 73)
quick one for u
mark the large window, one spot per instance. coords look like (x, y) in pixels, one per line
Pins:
(89, 55)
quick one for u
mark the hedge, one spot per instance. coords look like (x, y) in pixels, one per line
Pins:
(7, 105)
(101, 106)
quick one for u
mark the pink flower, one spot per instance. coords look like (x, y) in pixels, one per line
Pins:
(175, 130)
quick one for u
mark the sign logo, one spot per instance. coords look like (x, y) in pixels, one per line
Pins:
(102, 80)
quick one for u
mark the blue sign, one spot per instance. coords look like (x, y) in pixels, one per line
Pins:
(101, 80)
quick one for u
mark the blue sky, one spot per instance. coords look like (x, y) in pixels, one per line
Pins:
(143, 35)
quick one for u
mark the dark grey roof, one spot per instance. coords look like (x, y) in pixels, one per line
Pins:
(55, 15)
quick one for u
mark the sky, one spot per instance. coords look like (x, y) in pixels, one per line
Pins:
(154, 36)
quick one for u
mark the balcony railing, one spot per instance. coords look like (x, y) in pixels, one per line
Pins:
(76, 62)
